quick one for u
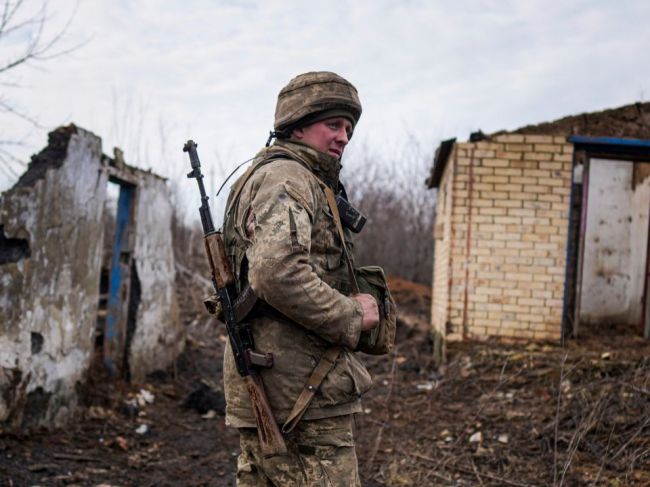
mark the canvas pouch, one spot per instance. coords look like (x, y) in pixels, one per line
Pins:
(379, 340)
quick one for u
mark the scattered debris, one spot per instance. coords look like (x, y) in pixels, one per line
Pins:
(122, 443)
(425, 386)
(97, 412)
(144, 397)
(476, 437)
(205, 399)
(129, 408)
(210, 414)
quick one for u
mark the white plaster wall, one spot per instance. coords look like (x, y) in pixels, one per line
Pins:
(54, 292)
(158, 337)
(615, 244)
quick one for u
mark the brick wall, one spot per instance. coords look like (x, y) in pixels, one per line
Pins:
(442, 237)
(502, 259)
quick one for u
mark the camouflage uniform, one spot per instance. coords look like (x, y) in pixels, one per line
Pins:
(281, 238)
(321, 453)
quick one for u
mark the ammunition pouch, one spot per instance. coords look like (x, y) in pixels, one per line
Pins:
(379, 340)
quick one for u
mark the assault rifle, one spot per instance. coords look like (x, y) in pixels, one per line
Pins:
(239, 333)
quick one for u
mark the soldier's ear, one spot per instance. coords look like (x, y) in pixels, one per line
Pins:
(298, 133)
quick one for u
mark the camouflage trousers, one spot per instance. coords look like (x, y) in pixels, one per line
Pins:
(320, 453)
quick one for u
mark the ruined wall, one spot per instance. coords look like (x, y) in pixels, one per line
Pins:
(442, 234)
(508, 238)
(615, 244)
(51, 249)
(48, 298)
(154, 346)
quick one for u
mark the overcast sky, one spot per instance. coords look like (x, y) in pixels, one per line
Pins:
(211, 70)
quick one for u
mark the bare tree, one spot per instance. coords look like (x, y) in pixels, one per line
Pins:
(389, 189)
(24, 40)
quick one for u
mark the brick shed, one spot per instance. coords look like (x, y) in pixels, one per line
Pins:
(543, 231)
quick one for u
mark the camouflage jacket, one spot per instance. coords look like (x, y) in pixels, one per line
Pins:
(281, 237)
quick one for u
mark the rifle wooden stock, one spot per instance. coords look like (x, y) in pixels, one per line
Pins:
(268, 431)
(240, 335)
(219, 266)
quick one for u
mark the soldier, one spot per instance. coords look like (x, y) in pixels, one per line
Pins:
(281, 237)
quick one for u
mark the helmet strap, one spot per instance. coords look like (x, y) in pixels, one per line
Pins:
(277, 134)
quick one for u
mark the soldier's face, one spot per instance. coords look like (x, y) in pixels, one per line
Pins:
(329, 136)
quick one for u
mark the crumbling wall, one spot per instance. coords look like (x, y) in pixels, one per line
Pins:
(49, 294)
(154, 346)
(442, 234)
(51, 249)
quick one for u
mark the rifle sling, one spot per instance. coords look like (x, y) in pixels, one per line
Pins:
(244, 303)
(325, 364)
(331, 200)
(328, 359)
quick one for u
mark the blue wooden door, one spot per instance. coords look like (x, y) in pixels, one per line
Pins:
(119, 283)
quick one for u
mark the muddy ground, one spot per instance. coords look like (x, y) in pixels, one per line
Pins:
(494, 415)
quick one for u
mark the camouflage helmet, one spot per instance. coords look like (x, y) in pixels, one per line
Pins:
(311, 95)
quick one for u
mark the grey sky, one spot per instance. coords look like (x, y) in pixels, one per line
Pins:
(211, 70)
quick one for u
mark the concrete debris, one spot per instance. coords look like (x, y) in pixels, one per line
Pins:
(211, 414)
(144, 397)
(425, 386)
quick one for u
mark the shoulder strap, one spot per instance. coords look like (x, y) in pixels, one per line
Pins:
(328, 359)
(331, 201)
(236, 192)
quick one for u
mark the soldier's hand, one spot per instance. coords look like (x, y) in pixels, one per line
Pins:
(370, 311)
